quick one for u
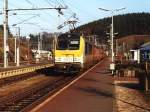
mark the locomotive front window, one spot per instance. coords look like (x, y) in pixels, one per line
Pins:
(62, 44)
(68, 42)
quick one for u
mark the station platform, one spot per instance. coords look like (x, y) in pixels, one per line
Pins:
(93, 92)
(9, 68)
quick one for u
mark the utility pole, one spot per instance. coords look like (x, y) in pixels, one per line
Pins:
(117, 47)
(112, 39)
(41, 43)
(18, 47)
(28, 39)
(39, 46)
(15, 49)
(5, 25)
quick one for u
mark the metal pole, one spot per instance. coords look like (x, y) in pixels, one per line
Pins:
(112, 38)
(18, 47)
(116, 47)
(5, 25)
(18, 56)
(15, 50)
(28, 50)
(54, 45)
(112, 65)
(112, 45)
(39, 45)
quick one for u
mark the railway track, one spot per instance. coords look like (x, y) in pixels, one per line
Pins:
(27, 98)
(14, 79)
(45, 84)
(21, 74)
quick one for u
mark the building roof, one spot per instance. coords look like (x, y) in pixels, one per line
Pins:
(146, 48)
(146, 44)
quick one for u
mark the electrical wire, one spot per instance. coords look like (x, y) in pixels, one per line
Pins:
(29, 2)
(15, 6)
(47, 1)
(42, 19)
(26, 20)
(80, 10)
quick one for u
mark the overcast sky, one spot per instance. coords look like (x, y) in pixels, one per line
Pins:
(48, 20)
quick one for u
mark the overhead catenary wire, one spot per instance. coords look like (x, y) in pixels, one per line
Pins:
(28, 1)
(27, 19)
(47, 1)
(79, 9)
(40, 17)
(13, 5)
(66, 16)
(55, 3)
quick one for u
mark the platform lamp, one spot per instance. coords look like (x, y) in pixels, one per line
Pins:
(112, 65)
(17, 47)
(28, 39)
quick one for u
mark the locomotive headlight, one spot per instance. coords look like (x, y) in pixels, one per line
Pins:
(77, 59)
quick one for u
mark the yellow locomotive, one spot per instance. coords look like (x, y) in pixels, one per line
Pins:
(74, 53)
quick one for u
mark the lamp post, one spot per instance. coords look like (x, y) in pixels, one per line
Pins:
(15, 60)
(112, 65)
(28, 39)
(17, 46)
(5, 25)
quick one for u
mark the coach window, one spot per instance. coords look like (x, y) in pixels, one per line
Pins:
(90, 49)
(86, 48)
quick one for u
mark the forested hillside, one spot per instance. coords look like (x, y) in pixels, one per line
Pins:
(128, 24)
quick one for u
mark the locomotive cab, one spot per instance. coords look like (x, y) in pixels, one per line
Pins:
(69, 52)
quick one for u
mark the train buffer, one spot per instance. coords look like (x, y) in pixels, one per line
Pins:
(93, 92)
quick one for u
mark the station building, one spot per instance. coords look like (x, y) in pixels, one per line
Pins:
(128, 47)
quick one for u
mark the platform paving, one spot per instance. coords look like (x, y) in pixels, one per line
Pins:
(98, 91)
(92, 93)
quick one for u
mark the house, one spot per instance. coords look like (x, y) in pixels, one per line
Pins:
(126, 47)
(142, 53)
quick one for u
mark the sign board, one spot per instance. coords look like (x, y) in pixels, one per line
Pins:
(7, 48)
(112, 66)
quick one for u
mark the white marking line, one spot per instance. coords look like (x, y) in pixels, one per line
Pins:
(57, 93)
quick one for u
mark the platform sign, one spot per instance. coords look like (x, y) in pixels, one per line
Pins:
(7, 48)
(112, 66)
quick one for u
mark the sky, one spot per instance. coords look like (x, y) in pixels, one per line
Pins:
(48, 20)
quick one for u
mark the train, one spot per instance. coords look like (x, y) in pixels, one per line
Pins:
(74, 52)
